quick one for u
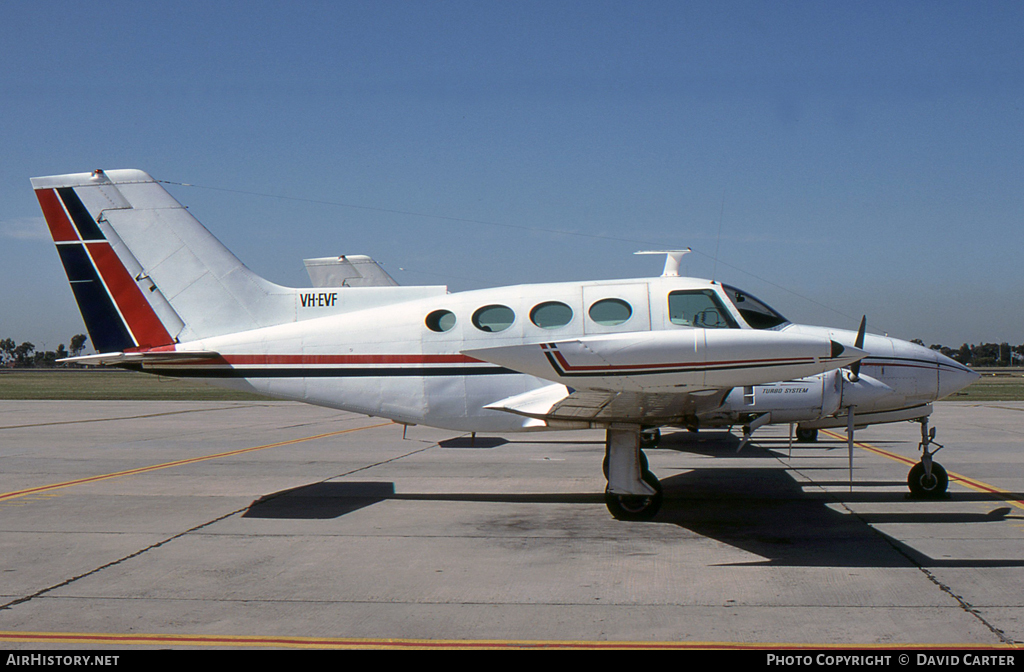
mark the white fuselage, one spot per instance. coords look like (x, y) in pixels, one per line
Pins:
(159, 292)
(403, 362)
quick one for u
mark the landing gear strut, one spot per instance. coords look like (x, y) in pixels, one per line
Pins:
(927, 478)
(633, 491)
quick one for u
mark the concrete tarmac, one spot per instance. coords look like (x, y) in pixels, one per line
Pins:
(178, 524)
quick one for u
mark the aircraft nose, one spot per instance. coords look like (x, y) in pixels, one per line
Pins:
(953, 376)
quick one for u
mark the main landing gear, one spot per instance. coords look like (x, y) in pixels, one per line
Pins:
(804, 435)
(633, 491)
(927, 478)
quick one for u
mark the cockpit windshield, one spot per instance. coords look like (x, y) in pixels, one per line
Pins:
(755, 312)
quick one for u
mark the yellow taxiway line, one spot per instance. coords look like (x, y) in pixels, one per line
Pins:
(971, 483)
(185, 640)
(165, 640)
(7, 496)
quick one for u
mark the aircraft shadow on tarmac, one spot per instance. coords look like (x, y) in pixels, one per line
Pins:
(473, 442)
(762, 510)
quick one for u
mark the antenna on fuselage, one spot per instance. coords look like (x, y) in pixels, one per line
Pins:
(718, 243)
(672, 260)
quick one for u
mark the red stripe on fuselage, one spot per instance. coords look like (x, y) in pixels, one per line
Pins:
(349, 359)
(143, 322)
(56, 218)
(294, 360)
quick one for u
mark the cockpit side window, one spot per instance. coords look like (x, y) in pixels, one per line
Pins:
(756, 313)
(699, 308)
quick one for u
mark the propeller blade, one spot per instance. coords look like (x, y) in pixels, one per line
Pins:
(744, 442)
(859, 343)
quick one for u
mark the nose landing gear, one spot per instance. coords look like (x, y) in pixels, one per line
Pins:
(927, 478)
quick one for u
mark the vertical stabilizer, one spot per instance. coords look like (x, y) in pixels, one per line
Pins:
(145, 273)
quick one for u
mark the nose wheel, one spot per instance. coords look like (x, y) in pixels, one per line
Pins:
(925, 485)
(927, 479)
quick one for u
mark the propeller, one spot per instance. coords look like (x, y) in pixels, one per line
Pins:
(853, 378)
(859, 344)
(849, 441)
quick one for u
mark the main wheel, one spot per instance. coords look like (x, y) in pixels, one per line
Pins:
(922, 485)
(636, 507)
(806, 435)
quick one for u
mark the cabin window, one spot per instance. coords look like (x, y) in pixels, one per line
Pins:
(699, 308)
(551, 315)
(610, 312)
(440, 320)
(493, 318)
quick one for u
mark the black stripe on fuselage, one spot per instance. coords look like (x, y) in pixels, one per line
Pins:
(911, 361)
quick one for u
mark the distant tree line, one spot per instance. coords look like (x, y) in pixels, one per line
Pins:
(983, 354)
(25, 355)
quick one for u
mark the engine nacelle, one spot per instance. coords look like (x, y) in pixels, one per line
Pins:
(799, 400)
(804, 400)
(865, 393)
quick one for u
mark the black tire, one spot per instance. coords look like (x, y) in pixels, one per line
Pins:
(806, 435)
(923, 486)
(636, 507)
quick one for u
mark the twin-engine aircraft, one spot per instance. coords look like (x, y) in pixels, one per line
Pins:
(158, 293)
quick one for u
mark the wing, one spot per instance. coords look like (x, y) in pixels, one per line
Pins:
(558, 405)
(656, 378)
(677, 360)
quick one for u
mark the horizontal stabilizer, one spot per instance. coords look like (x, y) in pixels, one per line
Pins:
(122, 358)
(352, 270)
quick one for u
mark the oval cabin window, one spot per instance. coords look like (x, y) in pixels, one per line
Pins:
(440, 320)
(610, 312)
(551, 315)
(493, 318)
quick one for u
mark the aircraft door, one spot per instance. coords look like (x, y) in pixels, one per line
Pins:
(610, 308)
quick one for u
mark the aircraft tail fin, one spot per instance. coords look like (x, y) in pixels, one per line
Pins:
(145, 273)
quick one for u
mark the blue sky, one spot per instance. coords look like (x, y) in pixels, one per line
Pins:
(842, 158)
